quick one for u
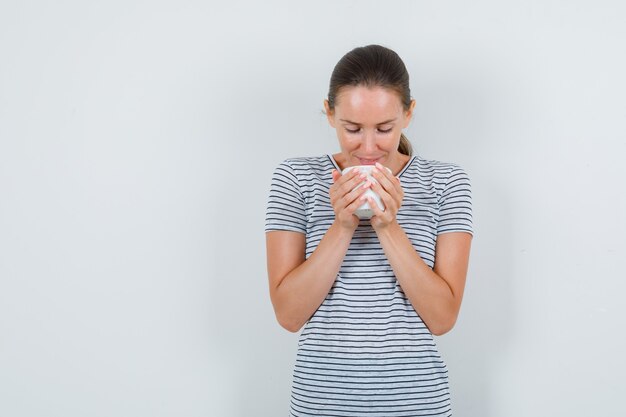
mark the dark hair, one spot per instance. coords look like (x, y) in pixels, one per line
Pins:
(373, 66)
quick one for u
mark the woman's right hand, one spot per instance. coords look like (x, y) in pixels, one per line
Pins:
(345, 199)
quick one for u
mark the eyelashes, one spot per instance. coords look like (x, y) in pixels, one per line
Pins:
(354, 131)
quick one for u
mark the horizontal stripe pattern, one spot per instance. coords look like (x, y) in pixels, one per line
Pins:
(365, 351)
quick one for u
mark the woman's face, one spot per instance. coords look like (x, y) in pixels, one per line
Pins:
(369, 122)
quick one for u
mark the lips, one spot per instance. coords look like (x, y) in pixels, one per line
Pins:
(368, 161)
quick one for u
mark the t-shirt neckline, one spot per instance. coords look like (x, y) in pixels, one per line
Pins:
(406, 166)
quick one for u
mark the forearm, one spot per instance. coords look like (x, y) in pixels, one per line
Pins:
(429, 294)
(304, 289)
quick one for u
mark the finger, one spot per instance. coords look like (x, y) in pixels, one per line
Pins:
(357, 202)
(385, 178)
(391, 184)
(353, 175)
(357, 194)
(384, 193)
(338, 182)
(386, 172)
(339, 178)
(351, 181)
(391, 201)
(377, 211)
(346, 189)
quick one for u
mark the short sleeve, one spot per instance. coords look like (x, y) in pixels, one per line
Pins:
(286, 209)
(455, 204)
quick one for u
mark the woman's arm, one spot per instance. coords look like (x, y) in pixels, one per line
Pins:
(436, 293)
(298, 286)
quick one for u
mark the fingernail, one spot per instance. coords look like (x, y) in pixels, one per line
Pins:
(379, 165)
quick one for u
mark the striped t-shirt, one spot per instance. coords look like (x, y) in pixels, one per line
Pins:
(365, 351)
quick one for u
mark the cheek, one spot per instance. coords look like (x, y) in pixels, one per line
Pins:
(347, 140)
(390, 138)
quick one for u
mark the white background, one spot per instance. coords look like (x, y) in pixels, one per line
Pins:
(137, 141)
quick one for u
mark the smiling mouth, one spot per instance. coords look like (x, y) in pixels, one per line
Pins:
(368, 161)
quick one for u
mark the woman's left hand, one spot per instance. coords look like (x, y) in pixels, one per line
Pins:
(390, 191)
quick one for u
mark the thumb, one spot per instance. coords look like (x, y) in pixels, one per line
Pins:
(336, 175)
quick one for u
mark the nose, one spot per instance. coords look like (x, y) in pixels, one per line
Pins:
(369, 143)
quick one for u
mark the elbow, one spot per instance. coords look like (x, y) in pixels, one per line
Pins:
(290, 326)
(442, 327)
(444, 320)
(288, 323)
(284, 317)
(440, 330)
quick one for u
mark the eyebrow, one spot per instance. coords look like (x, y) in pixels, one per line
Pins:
(358, 124)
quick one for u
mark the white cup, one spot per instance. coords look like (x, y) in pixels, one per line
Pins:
(365, 211)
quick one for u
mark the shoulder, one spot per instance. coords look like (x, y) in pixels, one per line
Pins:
(309, 162)
(304, 166)
(434, 170)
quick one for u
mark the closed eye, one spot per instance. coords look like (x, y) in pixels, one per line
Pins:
(384, 130)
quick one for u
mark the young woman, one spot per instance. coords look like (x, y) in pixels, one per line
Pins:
(370, 293)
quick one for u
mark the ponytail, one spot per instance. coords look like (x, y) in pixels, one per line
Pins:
(405, 146)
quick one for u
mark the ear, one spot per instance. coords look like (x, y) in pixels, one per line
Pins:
(330, 115)
(408, 115)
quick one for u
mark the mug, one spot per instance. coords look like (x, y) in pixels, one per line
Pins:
(365, 211)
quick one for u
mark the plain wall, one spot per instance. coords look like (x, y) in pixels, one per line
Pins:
(137, 141)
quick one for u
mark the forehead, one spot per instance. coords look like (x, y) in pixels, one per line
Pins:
(367, 104)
